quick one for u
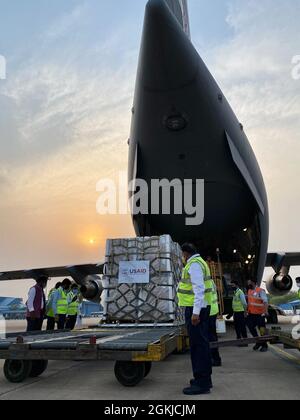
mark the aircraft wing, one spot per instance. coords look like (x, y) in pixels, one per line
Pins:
(68, 271)
(277, 261)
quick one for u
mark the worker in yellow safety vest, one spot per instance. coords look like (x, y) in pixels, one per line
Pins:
(298, 285)
(214, 312)
(239, 308)
(74, 301)
(49, 311)
(195, 295)
(60, 303)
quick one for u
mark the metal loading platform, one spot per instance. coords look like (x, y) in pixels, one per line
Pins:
(133, 350)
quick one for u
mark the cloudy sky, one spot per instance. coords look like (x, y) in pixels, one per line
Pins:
(65, 115)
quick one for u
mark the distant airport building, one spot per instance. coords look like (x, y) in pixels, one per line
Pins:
(12, 308)
(291, 308)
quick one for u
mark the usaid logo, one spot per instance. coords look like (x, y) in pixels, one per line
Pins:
(138, 271)
(134, 272)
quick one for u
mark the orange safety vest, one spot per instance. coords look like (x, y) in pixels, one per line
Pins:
(256, 305)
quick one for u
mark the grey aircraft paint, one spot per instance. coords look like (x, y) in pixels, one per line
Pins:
(173, 82)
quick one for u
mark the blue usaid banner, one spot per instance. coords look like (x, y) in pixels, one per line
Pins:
(134, 272)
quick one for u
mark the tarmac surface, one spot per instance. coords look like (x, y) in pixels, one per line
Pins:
(245, 375)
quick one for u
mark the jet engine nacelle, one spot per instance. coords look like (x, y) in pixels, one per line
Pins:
(280, 284)
(92, 288)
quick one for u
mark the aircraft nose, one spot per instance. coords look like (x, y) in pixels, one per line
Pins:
(168, 59)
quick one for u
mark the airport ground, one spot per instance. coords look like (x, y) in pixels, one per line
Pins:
(245, 375)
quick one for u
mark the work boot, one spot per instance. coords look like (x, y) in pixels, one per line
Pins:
(257, 347)
(195, 383)
(196, 390)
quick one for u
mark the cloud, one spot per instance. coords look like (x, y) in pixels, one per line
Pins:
(59, 105)
(254, 70)
(67, 22)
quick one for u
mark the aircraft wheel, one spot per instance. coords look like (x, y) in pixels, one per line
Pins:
(17, 371)
(38, 368)
(130, 374)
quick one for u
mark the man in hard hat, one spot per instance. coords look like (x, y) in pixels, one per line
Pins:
(195, 296)
(60, 303)
(258, 307)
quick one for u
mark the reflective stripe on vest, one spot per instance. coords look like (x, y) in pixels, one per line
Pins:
(62, 303)
(237, 304)
(50, 312)
(256, 305)
(215, 301)
(73, 306)
(186, 296)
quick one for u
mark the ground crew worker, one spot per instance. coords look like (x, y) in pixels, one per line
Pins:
(60, 304)
(298, 285)
(36, 305)
(74, 301)
(214, 312)
(239, 308)
(257, 311)
(50, 313)
(195, 297)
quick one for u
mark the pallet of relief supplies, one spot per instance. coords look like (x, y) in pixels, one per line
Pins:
(141, 277)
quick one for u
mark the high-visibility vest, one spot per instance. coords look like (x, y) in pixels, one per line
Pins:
(73, 306)
(237, 304)
(215, 300)
(256, 305)
(185, 293)
(62, 303)
(50, 312)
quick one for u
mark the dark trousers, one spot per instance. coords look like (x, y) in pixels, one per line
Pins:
(240, 325)
(71, 322)
(255, 322)
(61, 323)
(213, 337)
(50, 323)
(200, 348)
(34, 324)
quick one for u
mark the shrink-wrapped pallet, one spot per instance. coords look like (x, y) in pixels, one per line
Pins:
(140, 280)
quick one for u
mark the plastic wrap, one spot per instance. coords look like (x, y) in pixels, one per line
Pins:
(155, 302)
